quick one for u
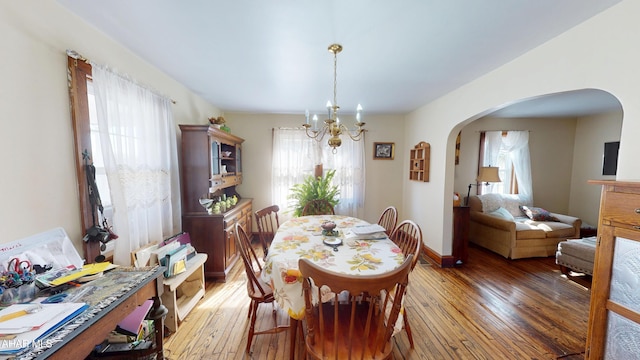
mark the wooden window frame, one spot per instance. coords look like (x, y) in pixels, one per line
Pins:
(78, 72)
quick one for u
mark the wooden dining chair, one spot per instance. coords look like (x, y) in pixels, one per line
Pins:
(318, 207)
(389, 219)
(259, 292)
(408, 237)
(360, 327)
(268, 224)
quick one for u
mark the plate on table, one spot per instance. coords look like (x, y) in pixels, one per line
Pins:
(333, 241)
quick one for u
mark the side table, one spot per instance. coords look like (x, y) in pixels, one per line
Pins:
(183, 291)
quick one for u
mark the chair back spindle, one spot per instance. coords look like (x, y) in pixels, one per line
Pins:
(408, 237)
(388, 219)
(268, 224)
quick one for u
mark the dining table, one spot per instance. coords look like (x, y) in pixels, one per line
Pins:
(341, 250)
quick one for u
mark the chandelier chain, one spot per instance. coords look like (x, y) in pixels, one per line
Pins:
(335, 78)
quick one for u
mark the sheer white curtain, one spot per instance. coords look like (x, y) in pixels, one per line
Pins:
(516, 143)
(515, 148)
(139, 147)
(295, 156)
(349, 163)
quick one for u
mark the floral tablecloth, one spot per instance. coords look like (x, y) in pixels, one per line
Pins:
(302, 238)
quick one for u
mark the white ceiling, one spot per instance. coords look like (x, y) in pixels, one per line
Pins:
(270, 56)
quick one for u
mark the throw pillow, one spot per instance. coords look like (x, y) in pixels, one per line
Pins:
(537, 214)
(502, 213)
(490, 202)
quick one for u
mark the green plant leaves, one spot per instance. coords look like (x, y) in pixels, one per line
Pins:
(313, 188)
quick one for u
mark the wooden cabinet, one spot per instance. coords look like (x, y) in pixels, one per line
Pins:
(461, 219)
(419, 166)
(214, 235)
(226, 159)
(614, 315)
(211, 165)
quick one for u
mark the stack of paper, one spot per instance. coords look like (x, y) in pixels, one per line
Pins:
(366, 232)
(88, 269)
(21, 332)
(367, 229)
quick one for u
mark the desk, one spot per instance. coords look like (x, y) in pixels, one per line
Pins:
(302, 238)
(80, 342)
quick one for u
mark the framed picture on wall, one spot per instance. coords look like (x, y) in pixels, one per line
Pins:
(383, 150)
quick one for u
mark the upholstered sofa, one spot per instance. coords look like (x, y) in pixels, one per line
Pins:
(507, 226)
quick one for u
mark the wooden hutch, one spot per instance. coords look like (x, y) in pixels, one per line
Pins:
(614, 315)
(211, 166)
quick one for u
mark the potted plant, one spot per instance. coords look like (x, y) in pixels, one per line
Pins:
(313, 188)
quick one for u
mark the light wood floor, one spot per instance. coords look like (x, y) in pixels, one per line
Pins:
(490, 308)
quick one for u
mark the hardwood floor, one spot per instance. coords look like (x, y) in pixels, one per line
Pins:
(490, 308)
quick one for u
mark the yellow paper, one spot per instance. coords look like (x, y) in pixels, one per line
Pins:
(179, 267)
(88, 269)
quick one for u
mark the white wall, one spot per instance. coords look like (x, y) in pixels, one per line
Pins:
(598, 53)
(384, 177)
(38, 182)
(591, 134)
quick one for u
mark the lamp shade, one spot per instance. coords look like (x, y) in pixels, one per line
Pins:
(488, 174)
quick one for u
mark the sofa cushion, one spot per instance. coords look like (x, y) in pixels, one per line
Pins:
(502, 213)
(584, 248)
(528, 231)
(512, 203)
(492, 202)
(550, 229)
(537, 214)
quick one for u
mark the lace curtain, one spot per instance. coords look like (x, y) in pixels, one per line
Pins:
(138, 140)
(515, 145)
(295, 156)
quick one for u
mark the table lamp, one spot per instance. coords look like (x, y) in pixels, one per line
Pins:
(487, 174)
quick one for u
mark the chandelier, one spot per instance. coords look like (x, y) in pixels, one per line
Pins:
(332, 125)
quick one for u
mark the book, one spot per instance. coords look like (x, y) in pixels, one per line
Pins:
(372, 236)
(27, 330)
(367, 229)
(158, 254)
(88, 269)
(132, 324)
(175, 261)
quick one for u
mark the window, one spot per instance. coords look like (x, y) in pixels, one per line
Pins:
(129, 134)
(96, 152)
(295, 156)
(509, 151)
